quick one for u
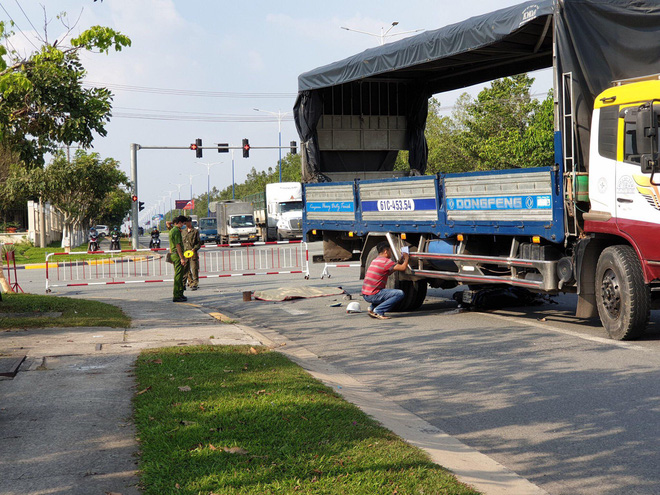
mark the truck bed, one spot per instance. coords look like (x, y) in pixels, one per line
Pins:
(521, 202)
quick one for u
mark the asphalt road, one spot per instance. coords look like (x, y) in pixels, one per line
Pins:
(545, 394)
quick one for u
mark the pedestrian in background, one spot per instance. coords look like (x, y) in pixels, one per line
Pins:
(178, 260)
(191, 242)
(374, 292)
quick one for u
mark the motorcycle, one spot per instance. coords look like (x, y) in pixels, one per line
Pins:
(154, 243)
(114, 241)
(93, 241)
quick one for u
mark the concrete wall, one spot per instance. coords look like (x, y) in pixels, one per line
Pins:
(53, 226)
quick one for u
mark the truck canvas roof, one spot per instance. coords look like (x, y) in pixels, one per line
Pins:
(596, 41)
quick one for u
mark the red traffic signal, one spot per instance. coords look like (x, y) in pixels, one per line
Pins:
(246, 148)
(197, 148)
(134, 198)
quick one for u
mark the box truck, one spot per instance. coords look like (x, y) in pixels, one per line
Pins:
(587, 223)
(236, 222)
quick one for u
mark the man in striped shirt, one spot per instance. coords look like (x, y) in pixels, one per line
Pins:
(375, 280)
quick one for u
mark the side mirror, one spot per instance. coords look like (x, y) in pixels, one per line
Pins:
(646, 131)
(650, 163)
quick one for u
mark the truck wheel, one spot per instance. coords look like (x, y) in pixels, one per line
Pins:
(420, 288)
(622, 297)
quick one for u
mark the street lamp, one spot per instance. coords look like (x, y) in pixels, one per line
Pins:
(208, 184)
(385, 34)
(171, 210)
(233, 196)
(191, 177)
(280, 115)
(179, 186)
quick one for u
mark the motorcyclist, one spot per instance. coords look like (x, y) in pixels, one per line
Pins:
(93, 240)
(155, 238)
(115, 235)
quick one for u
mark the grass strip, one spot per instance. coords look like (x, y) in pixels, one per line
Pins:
(241, 420)
(75, 312)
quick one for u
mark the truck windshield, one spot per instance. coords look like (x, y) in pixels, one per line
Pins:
(240, 221)
(291, 206)
(208, 224)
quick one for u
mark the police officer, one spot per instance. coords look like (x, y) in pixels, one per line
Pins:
(178, 260)
(192, 242)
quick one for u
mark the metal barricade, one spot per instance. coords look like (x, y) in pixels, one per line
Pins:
(255, 258)
(129, 266)
(326, 272)
(134, 266)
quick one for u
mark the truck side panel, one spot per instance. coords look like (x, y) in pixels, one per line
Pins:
(502, 197)
(523, 202)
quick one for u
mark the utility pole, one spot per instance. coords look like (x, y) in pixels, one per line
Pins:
(134, 206)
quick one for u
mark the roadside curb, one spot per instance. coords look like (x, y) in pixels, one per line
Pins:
(469, 465)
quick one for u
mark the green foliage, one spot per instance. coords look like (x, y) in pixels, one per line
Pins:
(504, 127)
(43, 104)
(102, 39)
(114, 207)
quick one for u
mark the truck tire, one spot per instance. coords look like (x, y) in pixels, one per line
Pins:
(420, 288)
(622, 297)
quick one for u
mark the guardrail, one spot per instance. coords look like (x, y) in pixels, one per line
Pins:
(135, 266)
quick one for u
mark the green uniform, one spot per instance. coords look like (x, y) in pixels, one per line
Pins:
(175, 238)
(192, 241)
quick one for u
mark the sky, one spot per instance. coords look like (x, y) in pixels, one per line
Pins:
(199, 68)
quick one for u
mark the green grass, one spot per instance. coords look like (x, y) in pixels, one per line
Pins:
(253, 422)
(75, 312)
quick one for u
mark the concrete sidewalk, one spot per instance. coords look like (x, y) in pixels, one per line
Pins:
(65, 419)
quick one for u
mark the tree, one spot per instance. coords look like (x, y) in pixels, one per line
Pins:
(60, 184)
(43, 104)
(504, 127)
(114, 207)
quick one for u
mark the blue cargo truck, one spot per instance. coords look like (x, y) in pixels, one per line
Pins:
(587, 223)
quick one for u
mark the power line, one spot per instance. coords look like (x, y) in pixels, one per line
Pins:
(186, 92)
(18, 27)
(190, 117)
(28, 19)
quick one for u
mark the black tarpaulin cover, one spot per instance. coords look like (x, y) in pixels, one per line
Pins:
(598, 41)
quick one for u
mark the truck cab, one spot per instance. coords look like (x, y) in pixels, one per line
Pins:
(284, 210)
(208, 229)
(623, 185)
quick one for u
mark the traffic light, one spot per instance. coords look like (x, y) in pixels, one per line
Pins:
(141, 206)
(294, 147)
(246, 148)
(134, 198)
(197, 147)
(223, 147)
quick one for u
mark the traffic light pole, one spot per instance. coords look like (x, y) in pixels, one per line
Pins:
(134, 182)
(134, 204)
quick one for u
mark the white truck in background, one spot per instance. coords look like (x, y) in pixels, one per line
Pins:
(278, 211)
(284, 206)
(236, 222)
